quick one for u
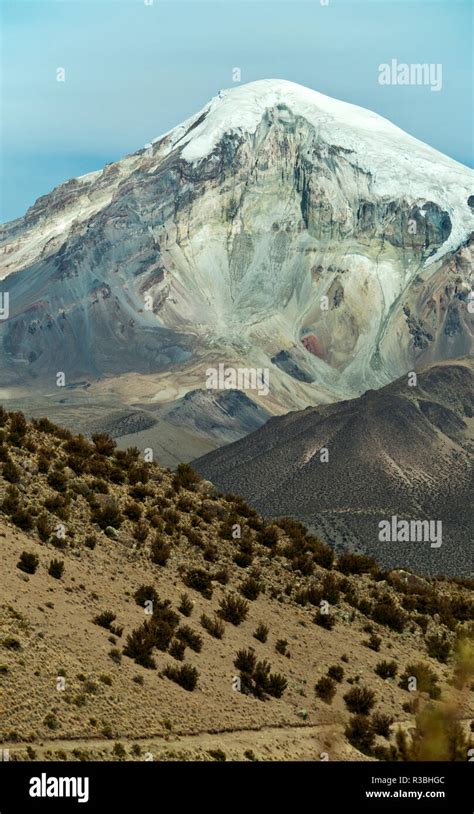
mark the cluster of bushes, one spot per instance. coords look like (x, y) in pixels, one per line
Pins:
(326, 589)
(161, 631)
(186, 676)
(304, 550)
(361, 731)
(350, 563)
(256, 678)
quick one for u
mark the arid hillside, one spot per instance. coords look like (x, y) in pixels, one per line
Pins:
(144, 615)
(404, 450)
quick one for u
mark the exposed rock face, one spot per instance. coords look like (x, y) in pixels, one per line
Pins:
(273, 215)
(342, 468)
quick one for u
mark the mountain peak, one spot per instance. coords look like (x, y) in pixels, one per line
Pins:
(397, 164)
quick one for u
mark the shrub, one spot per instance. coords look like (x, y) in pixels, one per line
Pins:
(119, 751)
(325, 689)
(256, 678)
(23, 519)
(215, 626)
(176, 649)
(322, 553)
(261, 633)
(426, 679)
(381, 724)
(233, 609)
(350, 563)
(243, 559)
(140, 532)
(373, 642)
(186, 676)
(56, 569)
(139, 646)
(312, 594)
(108, 515)
(103, 443)
(222, 576)
(160, 551)
(28, 562)
(330, 589)
(210, 553)
(276, 685)
(386, 669)
(44, 527)
(268, 536)
(336, 672)
(190, 638)
(281, 647)
(386, 612)
(199, 580)
(359, 700)
(115, 655)
(133, 511)
(51, 721)
(360, 734)
(10, 472)
(438, 647)
(90, 541)
(217, 754)
(145, 593)
(251, 588)
(185, 478)
(11, 501)
(186, 605)
(324, 620)
(245, 661)
(57, 480)
(10, 643)
(105, 619)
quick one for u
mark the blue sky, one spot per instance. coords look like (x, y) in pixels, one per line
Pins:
(134, 70)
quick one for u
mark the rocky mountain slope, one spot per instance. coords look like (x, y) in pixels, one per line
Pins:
(277, 228)
(402, 451)
(143, 615)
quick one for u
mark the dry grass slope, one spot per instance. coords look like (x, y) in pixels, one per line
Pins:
(144, 615)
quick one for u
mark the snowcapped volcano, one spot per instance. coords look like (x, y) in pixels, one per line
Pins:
(385, 151)
(277, 228)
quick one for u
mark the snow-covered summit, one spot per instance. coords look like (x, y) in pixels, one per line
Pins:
(399, 164)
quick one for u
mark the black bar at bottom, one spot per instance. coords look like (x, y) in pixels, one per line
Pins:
(353, 787)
